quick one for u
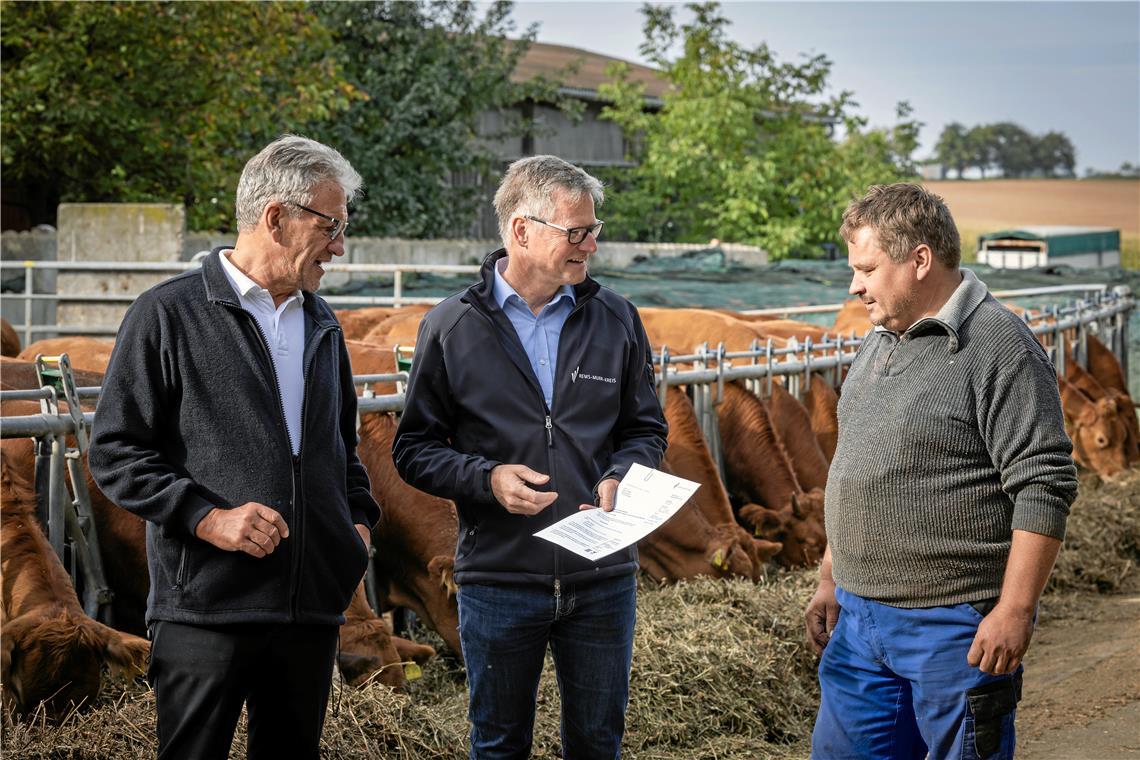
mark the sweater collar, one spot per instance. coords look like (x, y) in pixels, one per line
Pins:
(962, 302)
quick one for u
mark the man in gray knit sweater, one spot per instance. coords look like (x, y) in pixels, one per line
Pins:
(946, 500)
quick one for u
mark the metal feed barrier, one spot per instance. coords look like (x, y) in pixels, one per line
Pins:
(705, 370)
(29, 296)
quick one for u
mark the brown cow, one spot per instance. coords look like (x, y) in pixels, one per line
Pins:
(823, 404)
(852, 319)
(793, 425)
(50, 651)
(401, 327)
(369, 651)
(90, 354)
(703, 538)
(357, 322)
(685, 329)
(791, 328)
(415, 539)
(365, 648)
(757, 466)
(17, 374)
(9, 339)
(1105, 367)
(1095, 428)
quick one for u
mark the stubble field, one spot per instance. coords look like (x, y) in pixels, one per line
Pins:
(981, 206)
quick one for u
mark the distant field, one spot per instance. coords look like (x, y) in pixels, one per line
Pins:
(982, 206)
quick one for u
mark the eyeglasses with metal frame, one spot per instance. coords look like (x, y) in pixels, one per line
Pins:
(338, 225)
(575, 235)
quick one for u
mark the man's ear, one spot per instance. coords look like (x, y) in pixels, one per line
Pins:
(273, 217)
(519, 230)
(923, 259)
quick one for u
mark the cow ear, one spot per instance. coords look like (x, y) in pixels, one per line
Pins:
(126, 655)
(796, 510)
(12, 635)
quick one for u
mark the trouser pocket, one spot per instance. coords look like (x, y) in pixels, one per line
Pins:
(990, 707)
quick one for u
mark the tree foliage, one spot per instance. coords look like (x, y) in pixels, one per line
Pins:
(428, 71)
(742, 149)
(1006, 147)
(156, 101)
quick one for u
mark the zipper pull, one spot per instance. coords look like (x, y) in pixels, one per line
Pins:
(549, 432)
(557, 589)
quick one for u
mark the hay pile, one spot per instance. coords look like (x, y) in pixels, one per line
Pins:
(1102, 541)
(720, 670)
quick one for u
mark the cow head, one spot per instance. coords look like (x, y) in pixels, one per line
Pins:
(1099, 436)
(58, 660)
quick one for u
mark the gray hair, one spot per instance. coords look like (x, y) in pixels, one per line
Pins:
(286, 170)
(904, 216)
(529, 185)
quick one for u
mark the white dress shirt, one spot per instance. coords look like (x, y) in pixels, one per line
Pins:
(283, 328)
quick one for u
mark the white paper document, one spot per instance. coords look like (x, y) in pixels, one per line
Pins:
(645, 499)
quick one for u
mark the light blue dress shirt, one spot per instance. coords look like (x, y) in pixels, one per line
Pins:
(538, 335)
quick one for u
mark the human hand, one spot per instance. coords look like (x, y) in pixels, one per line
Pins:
(252, 528)
(365, 534)
(821, 615)
(509, 485)
(1001, 640)
(607, 496)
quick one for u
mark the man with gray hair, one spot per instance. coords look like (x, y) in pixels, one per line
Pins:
(946, 500)
(531, 393)
(227, 421)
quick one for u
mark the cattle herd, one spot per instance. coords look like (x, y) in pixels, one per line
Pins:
(767, 508)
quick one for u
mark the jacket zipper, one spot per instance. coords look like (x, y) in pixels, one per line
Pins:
(181, 577)
(310, 351)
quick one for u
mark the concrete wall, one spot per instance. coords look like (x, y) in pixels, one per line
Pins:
(126, 232)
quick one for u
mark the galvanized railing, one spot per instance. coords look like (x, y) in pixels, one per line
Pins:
(28, 329)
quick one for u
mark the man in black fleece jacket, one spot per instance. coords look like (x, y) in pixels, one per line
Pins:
(227, 421)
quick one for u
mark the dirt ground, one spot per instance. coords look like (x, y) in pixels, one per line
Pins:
(1081, 699)
(1000, 202)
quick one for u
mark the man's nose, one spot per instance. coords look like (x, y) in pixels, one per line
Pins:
(856, 287)
(589, 244)
(336, 247)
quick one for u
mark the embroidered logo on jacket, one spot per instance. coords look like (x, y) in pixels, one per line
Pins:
(576, 374)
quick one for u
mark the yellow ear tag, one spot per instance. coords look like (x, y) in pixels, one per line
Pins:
(412, 671)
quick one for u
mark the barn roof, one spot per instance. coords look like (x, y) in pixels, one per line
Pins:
(543, 59)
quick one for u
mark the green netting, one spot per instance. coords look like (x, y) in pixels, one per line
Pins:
(703, 278)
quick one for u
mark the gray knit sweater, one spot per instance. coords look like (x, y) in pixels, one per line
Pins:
(950, 437)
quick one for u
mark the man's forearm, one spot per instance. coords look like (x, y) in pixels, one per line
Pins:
(1031, 559)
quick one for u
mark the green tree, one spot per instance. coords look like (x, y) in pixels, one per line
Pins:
(429, 70)
(1013, 149)
(980, 148)
(953, 149)
(1054, 154)
(155, 101)
(742, 149)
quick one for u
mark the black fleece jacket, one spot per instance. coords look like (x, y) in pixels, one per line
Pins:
(473, 402)
(190, 418)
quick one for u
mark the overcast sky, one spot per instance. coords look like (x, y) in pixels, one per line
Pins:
(1067, 66)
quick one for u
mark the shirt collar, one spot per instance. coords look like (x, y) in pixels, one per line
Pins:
(502, 289)
(962, 302)
(242, 282)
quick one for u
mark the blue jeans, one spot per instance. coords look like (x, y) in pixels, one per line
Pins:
(504, 631)
(895, 684)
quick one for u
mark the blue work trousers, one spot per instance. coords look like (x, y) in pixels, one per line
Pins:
(505, 630)
(895, 684)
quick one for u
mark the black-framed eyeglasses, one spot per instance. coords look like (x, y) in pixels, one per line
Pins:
(576, 235)
(338, 225)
